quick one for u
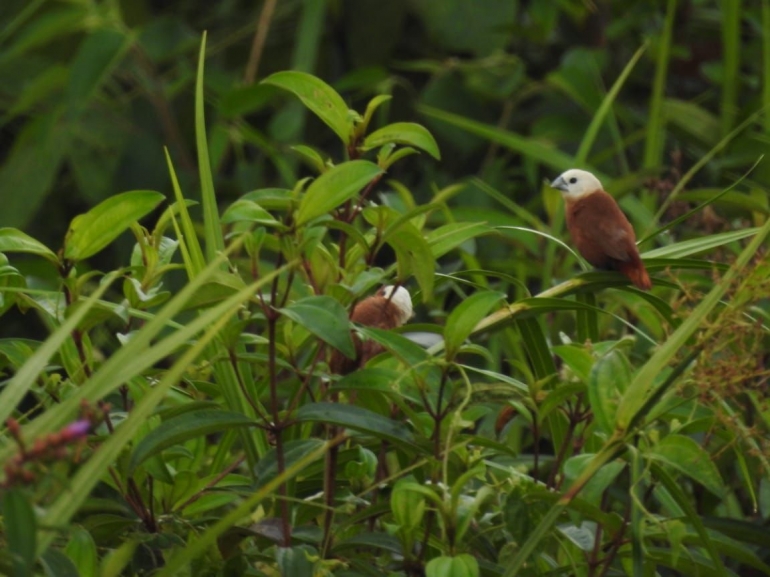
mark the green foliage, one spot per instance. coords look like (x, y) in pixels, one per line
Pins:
(167, 390)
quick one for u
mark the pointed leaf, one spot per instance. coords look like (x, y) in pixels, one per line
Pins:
(13, 240)
(326, 318)
(452, 235)
(356, 418)
(465, 317)
(406, 133)
(91, 232)
(20, 531)
(463, 565)
(319, 97)
(689, 458)
(414, 257)
(247, 210)
(607, 381)
(334, 187)
(186, 426)
(96, 57)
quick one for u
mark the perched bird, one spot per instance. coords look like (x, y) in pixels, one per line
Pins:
(599, 229)
(391, 307)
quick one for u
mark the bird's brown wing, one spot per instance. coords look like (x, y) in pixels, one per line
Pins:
(610, 228)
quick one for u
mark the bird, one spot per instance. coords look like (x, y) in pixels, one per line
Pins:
(599, 229)
(389, 308)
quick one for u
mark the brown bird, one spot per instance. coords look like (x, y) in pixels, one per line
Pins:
(391, 307)
(599, 229)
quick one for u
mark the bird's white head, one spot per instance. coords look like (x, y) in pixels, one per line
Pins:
(400, 297)
(576, 183)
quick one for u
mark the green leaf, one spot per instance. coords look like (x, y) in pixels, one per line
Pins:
(91, 232)
(184, 427)
(319, 97)
(413, 257)
(326, 318)
(21, 530)
(334, 187)
(603, 479)
(98, 54)
(312, 157)
(402, 348)
(407, 505)
(212, 229)
(296, 561)
(450, 236)
(689, 458)
(293, 451)
(607, 381)
(465, 317)
(57, 564)
(461, 566)
(81, 549)
(356, 418)
(247, 210)
(700, 244)
(13, 240)
(406, 133)
(538, 150)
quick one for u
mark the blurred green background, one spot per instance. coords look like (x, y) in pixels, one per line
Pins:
(92, 91)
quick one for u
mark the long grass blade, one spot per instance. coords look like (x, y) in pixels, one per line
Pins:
(654, 143)
(606, 107)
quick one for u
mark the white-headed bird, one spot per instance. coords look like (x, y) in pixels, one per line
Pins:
(390, 308)
(599, 229)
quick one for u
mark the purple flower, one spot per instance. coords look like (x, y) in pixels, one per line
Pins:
(77, 429)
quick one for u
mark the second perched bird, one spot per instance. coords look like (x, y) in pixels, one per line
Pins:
(391, 307)
(599, 229)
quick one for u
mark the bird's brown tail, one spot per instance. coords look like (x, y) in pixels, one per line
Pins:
(636, 273)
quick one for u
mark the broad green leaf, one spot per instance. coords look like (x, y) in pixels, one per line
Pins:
(20, 531)
(334, 187)
(312, 157)
(399, 346)
(13, 240)
(463, 565)
(465, 317)
(247, 210)
(91, 232)
(407, 506)
(689, 458)
(368, 379)
(319, 97)
(184, 427)
(296, 561)
(413, 257)
(57, 564)
(577, 358)
(293, 451)
(81, 549)
(406, 133)
(98, 54)
(356, 418)
(116, 560)
(603, 479)
(607, 381)
(326, 318)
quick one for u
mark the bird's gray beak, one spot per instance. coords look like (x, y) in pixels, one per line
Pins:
(559, 184)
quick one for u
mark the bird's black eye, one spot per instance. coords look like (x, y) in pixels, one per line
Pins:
(572, 180)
